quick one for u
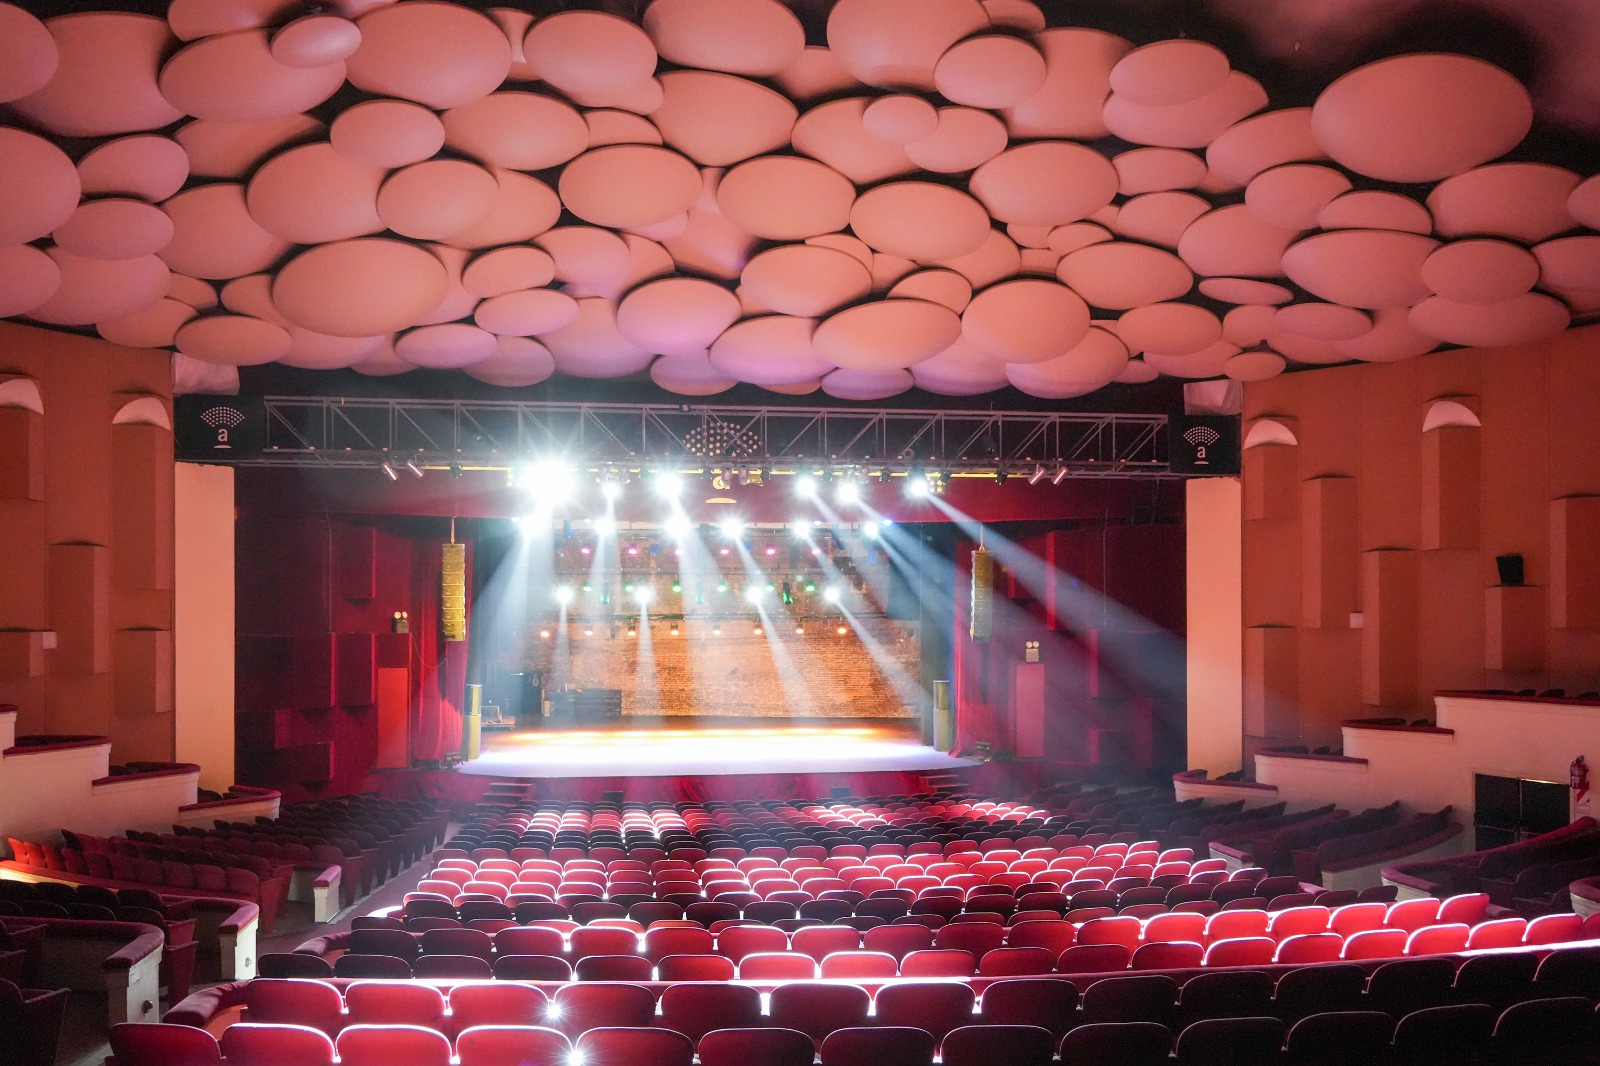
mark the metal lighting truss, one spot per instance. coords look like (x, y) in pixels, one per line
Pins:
(629, 438)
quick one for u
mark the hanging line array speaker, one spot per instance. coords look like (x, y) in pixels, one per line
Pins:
(982, 595)
(453, 593)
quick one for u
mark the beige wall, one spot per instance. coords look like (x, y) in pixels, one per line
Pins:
(1215, 569)
(1369, 516)
(203, 608)
(86, 539)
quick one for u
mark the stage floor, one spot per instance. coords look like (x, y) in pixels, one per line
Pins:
(704, 752)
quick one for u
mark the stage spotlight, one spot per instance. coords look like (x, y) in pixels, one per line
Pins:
(1059, 475)
(759, 631)
(644, 594)
(716, 631)
(588, 631)
(411, 465)
(633, 549)
(732, 528)
(611, 490)
(871, 530)
(831, 594)
(918, 485)
(805, 486)
(552, 481)
(1037, 475)
(754, 593)
(677, 527)
(799, 631)
(771, 550)
(563, 594)
(722, 586)
(389, 471)
(842, 630)
(633, 630)
(605, 527)
(669, 483)
(544, 634)
(674, 631)
(849, 491)
(455, 469)
(1000, 477)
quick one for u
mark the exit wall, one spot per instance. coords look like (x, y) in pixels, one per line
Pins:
(86, 536)
(1369, 544)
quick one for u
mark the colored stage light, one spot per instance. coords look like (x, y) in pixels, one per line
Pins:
(810, 587)
(677, 586)
(831, 594)
(563, 594)
(918, 485)
(732, 528)
(849, 491)
(805, 487)
(871, 530)
(722, 586)
(771, 550)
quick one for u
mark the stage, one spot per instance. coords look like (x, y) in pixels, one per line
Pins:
(707, 751)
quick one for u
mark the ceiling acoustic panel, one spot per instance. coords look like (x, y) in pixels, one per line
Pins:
(941, 194)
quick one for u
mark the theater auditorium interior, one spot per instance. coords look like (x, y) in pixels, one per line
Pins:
(855, 532)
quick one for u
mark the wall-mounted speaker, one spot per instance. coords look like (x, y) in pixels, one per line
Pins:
(1510, 567)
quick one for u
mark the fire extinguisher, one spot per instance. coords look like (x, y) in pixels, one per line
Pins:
(1580, 776)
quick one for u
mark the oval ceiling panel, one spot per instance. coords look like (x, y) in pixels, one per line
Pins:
(1261, 142)
(756, 38)
(900, 118)
(1244, 291)
(785, 198)
(867, 384)
(526, 312)
(610, 126)
(1570, 262)
(438, 54)
(1093, 363)
(507, 270)
(806, 280)
(1169, 72)
(1192, 124)
(887, 334)
(965, 138)
(896, 44)
(591, 347)
(1120, 275)
(447, 346)
(1361, 267)
(629, 185)
(28, 277)
(232, 149)
(520, 130)
(1374, 209)
(771, 350)
(1524, 201)
(1025, 321)
(234, 78)
(315, 40)
(1291, 196)
(318, 351)
(689, 374)
(1524, 319)
(1235, 240)
(312, 194)
(591, 258)
(1169, 329)
(360, 288)
(1077, 80)
(940, 286)
(1143, 170)
(1481, 271)
(834, 133)
(28, 54)
(1159, 217)
(105, 80)
(597, 59)
(1414, 118)
(517, 363)
(991, 70)
(919, 220)
(676, 316)
(147, 166)
(997, 258)
(718, 120)
(215, 237)
(1254, 366)
(38, 185)
(960, 370)
(437, 198)
(154, 327)
(1046, 183)
(524, 207)
(115, 228)
(232, 340)
(1328, 322)
(95, 290)
(1391, 339)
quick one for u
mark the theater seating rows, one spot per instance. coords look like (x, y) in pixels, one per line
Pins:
(1536, 1032)
(31, 1020)
(1392, 990)
(1530, 876)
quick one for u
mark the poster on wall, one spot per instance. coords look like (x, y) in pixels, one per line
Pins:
(219, 429)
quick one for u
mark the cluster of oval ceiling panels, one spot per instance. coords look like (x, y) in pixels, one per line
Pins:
(927, 200)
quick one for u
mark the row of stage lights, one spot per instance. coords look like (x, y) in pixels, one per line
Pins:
(676, 630)
(556, 481)
(754, 593)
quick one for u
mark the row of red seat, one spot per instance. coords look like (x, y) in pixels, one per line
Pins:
(1536, 1031)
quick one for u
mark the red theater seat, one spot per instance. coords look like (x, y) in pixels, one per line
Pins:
(937, 1006)
(1050, 1004)
(155, 1044)
(939, 962)
(1122, 1043)
(634, 1046)
(577, 1008)
(295, 1002)
(755, 1047)
(245, 1044)
(498, 1004)
(392, 1045)
(859, 965)
(697, 1009)
(998, 1045)
(879, 1045)
(777, 966)
(818, 1009)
